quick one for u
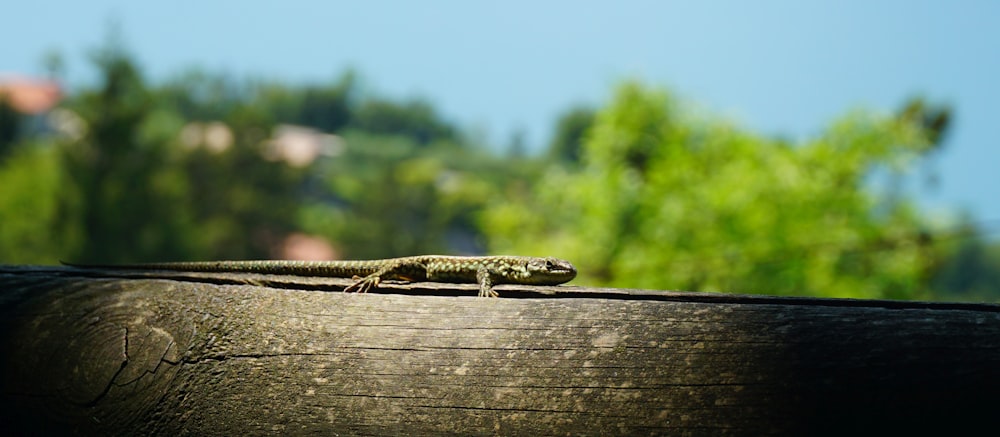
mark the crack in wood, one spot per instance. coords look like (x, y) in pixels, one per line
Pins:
(111, 382)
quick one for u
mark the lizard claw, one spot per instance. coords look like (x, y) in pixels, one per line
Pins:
(487, 291)
(364, 284)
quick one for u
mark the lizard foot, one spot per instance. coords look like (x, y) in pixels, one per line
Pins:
(487, 292)
(364, 284)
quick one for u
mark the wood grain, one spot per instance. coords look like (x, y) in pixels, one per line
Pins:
(208, 354)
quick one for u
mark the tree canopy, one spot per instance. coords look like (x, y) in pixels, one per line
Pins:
(667, 200)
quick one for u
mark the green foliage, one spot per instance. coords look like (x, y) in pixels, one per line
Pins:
(30, 182)
(415, 119)
(389, 196)
(328, 108)
(971, 271)
(118, 188)
(667, 201)
(138, 193)
(144, 182)
(9, 125)
(570, 134)
(243, 205)
(934, 119)
(199, 95)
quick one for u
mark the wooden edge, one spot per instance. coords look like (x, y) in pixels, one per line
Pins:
(108, 352)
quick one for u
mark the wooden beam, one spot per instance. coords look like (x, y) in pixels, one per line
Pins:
(110, 352)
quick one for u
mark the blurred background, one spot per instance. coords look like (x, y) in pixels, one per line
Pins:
(844, 149)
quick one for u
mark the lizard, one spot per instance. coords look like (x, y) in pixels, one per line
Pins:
(483, 270)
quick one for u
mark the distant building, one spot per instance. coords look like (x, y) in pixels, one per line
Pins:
(299, 146)
(214, 136)
(30, 96)
(34, 101)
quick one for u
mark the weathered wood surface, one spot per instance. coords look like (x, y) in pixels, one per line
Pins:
(115, 353)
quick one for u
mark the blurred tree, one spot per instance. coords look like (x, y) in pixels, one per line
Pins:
(243, 203)
(200, 95)
(388, 196)
(971, 270)
(570, 134)
(935, 119)
(120, 192)
(30, 182)
(329, 108)
(415, 119)
(666, 201)
(10, 121)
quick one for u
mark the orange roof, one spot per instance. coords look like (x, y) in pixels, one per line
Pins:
(30, 96)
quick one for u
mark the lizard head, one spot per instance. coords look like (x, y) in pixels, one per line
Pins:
(549, 271)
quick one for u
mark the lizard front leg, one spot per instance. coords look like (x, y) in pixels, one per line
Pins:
(485, 279)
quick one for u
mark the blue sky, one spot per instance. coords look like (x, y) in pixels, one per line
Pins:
(776, 67)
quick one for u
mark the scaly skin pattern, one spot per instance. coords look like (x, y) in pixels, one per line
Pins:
(486, 271)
